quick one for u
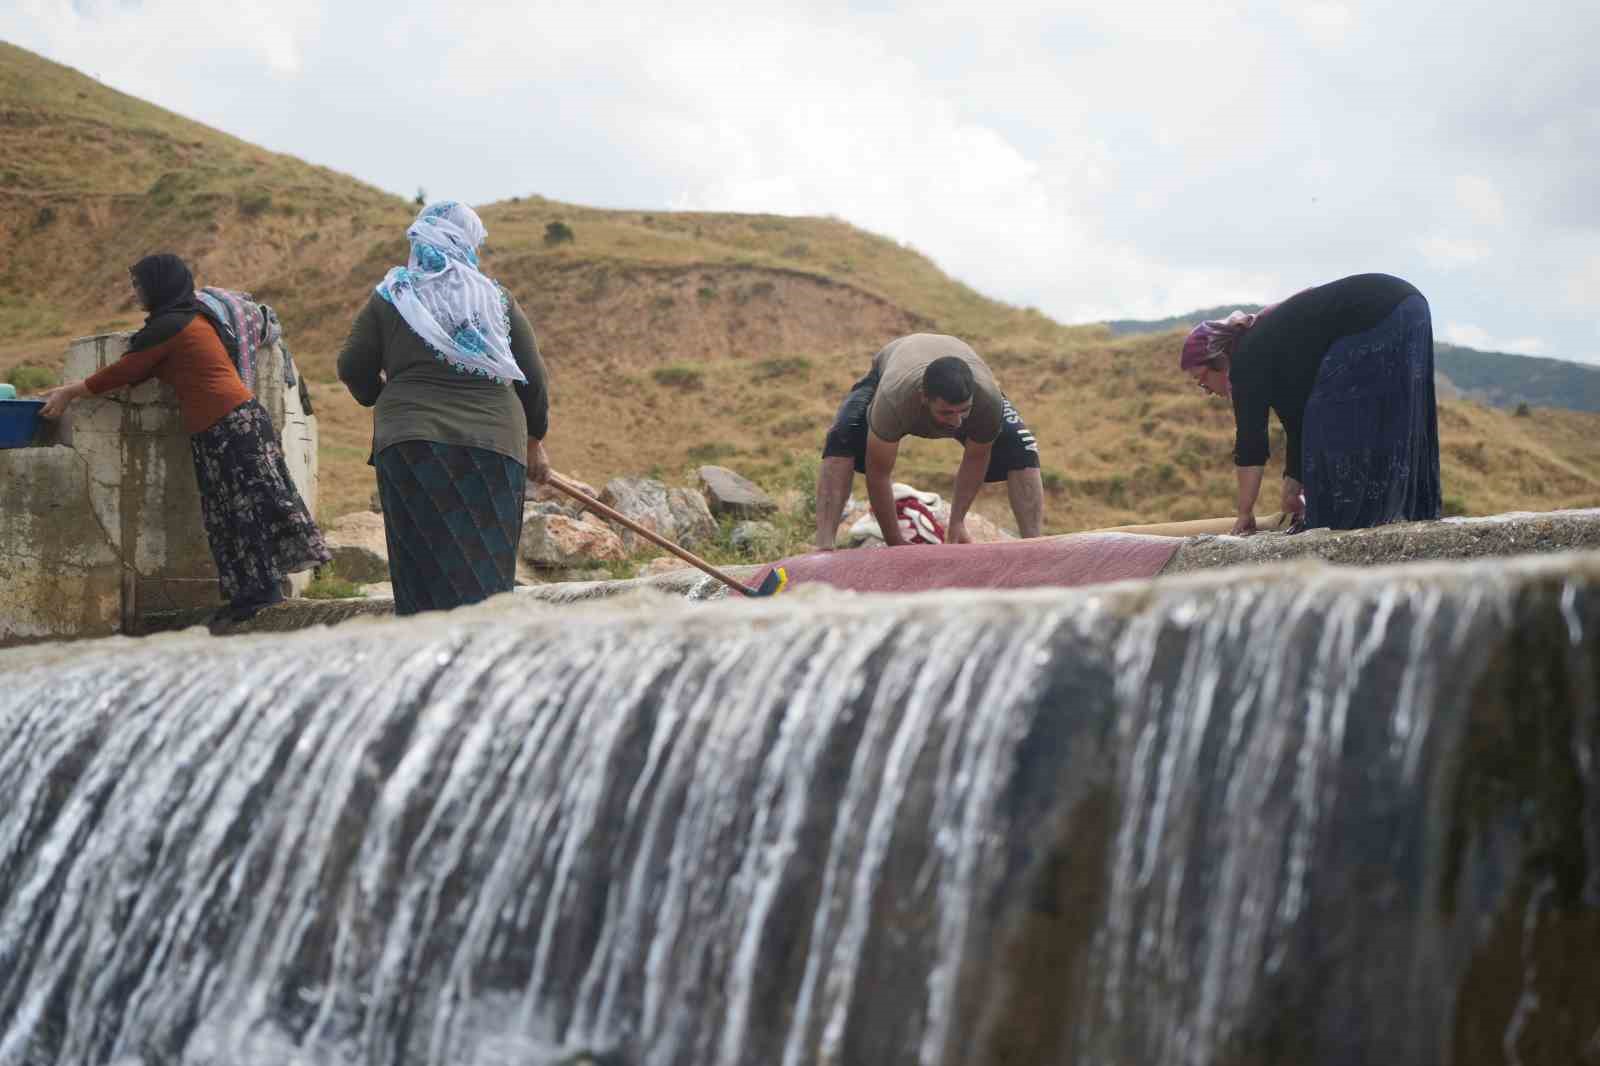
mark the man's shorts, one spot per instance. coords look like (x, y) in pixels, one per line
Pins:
(1014, 448)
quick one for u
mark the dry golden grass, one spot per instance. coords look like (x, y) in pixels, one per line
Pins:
(673, 339)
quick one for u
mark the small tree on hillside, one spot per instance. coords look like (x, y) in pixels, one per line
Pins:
(558, 232)
(421, 199)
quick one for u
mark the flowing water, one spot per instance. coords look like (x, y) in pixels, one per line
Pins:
(1313, 817)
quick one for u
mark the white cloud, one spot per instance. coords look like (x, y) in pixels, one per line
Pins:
(1093, 159)
(219, 67)
(1448, 253)
(1480, 198)
(1582, 287)
(120, 42)
(1324, 23)
(1470, 336)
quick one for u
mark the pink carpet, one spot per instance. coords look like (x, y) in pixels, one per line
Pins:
(1074, 559)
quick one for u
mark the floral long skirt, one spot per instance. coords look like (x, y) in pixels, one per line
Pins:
(257, 523)
(1370, 448)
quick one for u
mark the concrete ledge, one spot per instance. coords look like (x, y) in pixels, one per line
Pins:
(295, 614)
(1452, 538)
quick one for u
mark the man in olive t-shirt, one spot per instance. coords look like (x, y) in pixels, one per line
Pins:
(928, 385)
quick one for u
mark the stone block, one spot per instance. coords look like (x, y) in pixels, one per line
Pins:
(645, 501)
(360, 547)
(755, 539)
(546, 493)
(729, 493)
(692, 524)
(554, 542)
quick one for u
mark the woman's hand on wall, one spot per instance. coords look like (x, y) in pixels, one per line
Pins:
(56, 400)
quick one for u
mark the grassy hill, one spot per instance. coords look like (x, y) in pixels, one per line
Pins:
(673, 338)
(1501, 379)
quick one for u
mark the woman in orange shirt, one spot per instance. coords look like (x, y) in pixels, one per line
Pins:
(256, 522)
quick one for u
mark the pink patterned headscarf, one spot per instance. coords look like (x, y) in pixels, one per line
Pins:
(1215, 337)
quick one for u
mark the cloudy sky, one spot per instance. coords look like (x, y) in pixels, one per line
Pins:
(1121, 158)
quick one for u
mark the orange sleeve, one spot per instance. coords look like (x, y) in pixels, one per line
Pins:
(131, 368)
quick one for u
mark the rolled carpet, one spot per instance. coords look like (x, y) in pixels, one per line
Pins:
(1042, 562)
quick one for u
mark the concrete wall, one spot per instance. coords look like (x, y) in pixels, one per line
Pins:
(105, 526)
(60, 572)
(296, 428)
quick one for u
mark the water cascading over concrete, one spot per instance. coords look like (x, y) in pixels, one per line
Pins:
(1299, 816)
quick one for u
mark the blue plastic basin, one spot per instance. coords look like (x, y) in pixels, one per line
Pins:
(19, 421)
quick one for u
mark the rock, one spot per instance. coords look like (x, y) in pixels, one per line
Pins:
(730, 494)
(663, 565)
(679, 515)
(546, 507)
(378, 590)
(360, 547)
(644, 500)
(542, 492)
(692, 523)
(983, 531)
(755, 538)
(553, 542)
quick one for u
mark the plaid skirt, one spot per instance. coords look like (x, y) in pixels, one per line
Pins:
(452, 515)
(255, 520)
(1370, 447)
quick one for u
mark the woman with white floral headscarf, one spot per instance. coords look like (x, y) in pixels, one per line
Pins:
(452, 366)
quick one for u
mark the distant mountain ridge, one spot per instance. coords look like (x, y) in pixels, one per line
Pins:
(1499, 379)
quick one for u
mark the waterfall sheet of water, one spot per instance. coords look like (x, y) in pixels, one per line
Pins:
(1298, 817)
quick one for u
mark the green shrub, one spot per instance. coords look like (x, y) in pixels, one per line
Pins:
(679, 376)
(45, 217)
(32, 378)
(1523, 411)
(795, 425)
(711, 451)
(255, 202)
(1054, 481)
(558, 232)
(787, 366)
(759, 289)
(706, 292)
(1455, 505)
(328, 585)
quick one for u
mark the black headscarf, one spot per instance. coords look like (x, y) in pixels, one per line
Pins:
(168, 289)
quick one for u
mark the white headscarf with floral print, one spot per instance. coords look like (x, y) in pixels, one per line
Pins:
(463, 316)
